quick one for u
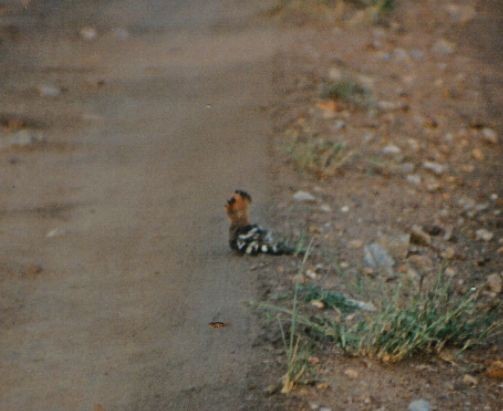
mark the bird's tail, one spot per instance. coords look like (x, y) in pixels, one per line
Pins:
(279, 249)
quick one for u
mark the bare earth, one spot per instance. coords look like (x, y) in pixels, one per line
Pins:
(113, 256)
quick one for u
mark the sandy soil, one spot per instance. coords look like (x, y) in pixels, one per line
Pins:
(125, 126)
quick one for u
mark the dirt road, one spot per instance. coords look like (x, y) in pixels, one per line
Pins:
(113, 251)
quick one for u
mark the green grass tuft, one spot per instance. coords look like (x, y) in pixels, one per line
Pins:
(348, 91)
(405, 325)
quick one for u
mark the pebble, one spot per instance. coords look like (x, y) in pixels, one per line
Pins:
(334, 74)
(495, 283)
(407, 168)
(351, 373)
(397, 245)
(326, 208)
(400, 54)
(449, 253)
(345, 209)
(377, 257)
(388, 105)
(443, 47)
(419, 236)
(391, 149)
(318, 304)
(20, 138)
(417, 54)
(414, 179)
(356, 243)
(483, 234)
(88, 33)
(436, 168)
(419, 405)
(48, 90)
(470, 380)
(421, 262)
(303, 196)
(460, 13)
(489, 135)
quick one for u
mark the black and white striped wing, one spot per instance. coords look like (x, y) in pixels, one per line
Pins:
(254, 240)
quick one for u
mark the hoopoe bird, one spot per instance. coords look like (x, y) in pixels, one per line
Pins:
(247, 238)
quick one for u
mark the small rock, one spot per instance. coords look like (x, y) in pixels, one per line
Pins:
(483, 234)
(414, 179)
(55, 232)
(443, 47)
(311, 274)
(325, 408)
(303, 196)
(449, 253)
(433, 186)
(470, 380)
(20, 138)
(378, 258)
(88, 33)
(388, 105)
(397, 245)
(407, 168)
(460, 13)
(495, 283)
(489, 135)
(419, 405)
(419, 236)
(48, 90)
(477, 154)
(345, 209)
(326, 208)
(391, 149)
(400, 54)
(318, 304)
(417, 54)
(334, 74)
(421, 263)
(356, 243)
(436, 168)
(272, 389)
(450, 272)
(351, 373)
(362, 305)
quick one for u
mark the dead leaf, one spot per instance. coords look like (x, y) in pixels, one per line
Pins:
(477, 154)
(322, 386)
(447, 356)
(495, 369)
(327, 105)
(217, 324)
